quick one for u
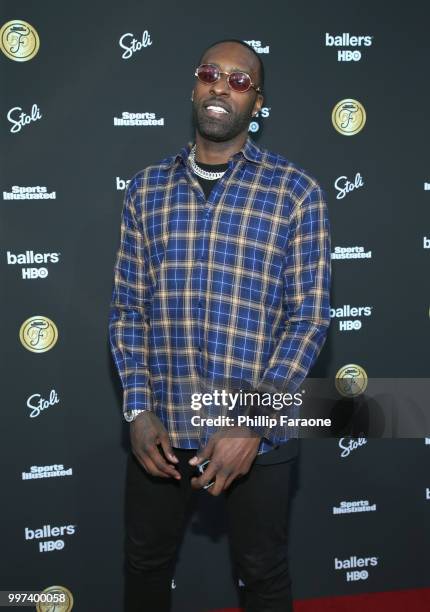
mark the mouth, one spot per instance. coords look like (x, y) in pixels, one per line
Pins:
(216, 110)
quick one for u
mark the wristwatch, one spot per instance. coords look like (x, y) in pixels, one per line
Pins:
(131, 415)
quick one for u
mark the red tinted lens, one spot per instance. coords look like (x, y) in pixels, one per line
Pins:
(208, 73)
(239, 81)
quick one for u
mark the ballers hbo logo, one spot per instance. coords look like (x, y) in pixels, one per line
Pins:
(347, 40)
(351, 380)
(19, 40)
(350, 316)
(34, 271)
(38, 334)
(348, 117)
(357, 564)
(45, 534)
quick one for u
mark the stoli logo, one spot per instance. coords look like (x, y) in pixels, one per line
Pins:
(37, 403)
(131, 44)
(20, 119)
(350, 444)
(343, 186)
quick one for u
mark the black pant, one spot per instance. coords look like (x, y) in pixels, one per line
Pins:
(257, 513)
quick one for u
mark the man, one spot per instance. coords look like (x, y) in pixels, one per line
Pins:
(222, 275)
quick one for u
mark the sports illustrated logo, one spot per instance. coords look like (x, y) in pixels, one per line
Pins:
(343, 186)
(29, 193)
(138, 119)
(258, 46)
(38, 334)
(264, 112)
(121, 184)
(37, 404)
(19, 40)
(427, 493)
(426, 242)
(46, 471)
(132, 44)
(346, 40)
(348, 117)
(45, 532)
(30, 257)
(351, 380)
(57, 599)
(354, 252)
(349, 507)
(348, 312)
(352, 564)
(20, 119)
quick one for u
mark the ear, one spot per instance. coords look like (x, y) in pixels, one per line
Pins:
(257, 104)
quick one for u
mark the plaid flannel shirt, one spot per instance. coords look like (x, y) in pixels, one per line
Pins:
(235, 288)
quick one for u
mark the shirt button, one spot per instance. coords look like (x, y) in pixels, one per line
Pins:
(200, 349)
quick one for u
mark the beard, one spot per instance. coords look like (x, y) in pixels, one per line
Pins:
(223, 128)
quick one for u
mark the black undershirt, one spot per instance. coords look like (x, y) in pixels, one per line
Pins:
(288, 450)
(206, 183)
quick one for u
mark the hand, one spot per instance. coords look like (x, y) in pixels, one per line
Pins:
(230, 456)
(146, 432)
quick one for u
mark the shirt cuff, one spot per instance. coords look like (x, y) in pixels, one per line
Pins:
(135, 401)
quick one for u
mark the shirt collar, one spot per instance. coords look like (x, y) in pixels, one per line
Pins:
(250, 150)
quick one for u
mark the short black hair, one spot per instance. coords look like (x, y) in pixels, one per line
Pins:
(244, 44)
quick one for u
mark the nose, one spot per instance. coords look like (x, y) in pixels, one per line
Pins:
(220, 87)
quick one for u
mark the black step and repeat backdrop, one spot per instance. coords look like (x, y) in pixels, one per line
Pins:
(92, 92)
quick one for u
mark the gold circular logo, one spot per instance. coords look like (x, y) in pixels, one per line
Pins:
(348, 117)
(60, 600)
(19, 40)
(351, 380)
(38, 334)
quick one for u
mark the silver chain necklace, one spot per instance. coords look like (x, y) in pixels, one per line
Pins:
(206, 174)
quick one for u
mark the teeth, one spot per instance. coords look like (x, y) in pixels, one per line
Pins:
(217, 109)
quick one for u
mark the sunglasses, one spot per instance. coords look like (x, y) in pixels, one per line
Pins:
(237, 80)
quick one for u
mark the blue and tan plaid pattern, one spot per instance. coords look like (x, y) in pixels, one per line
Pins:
(235, 288)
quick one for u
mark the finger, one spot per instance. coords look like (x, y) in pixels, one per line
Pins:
(203, 453)
(230, 479)
(161, 464)
(156, 472)
(218, 487)
(197, 482)
(150, 467)
(167, 449)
